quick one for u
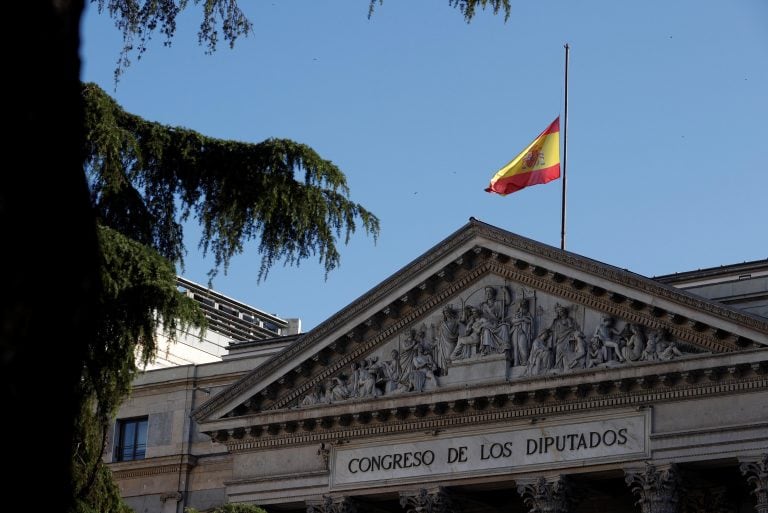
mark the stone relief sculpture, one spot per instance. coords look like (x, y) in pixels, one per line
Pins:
(633, 349)
(468, 344)
(607, 335)
(575, 356)
(520, 336)
(597, 354)
(392, 372)
(668, 350)
(563, 329)
(371, 378)
(474, 329)
(423, 369)
(315, 397)
(411, 346)
(494, 334)
(540, 359)
(447, 337)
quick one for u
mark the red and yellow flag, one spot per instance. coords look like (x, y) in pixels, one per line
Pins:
(538, 163)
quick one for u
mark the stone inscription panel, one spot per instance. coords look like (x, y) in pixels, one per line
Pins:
(518, 448)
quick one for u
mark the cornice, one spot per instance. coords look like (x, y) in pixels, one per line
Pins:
(153, 466)
(659, 383)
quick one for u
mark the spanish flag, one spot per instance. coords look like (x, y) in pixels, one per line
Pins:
(538, 163)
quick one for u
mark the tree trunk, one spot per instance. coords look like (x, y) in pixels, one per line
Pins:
(50, 251)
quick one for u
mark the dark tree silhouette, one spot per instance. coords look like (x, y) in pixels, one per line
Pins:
(67, 317)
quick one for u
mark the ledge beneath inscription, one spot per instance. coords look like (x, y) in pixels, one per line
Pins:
(508, 450)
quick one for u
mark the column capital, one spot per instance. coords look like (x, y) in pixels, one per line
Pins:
(330, 504)
(655, 486)
(552, 494)
(756, 472)
(424, 500)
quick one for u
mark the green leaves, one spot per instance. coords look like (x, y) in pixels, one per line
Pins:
(468, 8)
(139, 300)
(138, 21)
(147, 178)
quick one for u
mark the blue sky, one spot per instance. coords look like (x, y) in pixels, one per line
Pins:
(667, 150)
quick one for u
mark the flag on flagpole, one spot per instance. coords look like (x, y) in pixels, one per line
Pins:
(538, 163)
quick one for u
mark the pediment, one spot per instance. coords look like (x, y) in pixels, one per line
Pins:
(482, 313)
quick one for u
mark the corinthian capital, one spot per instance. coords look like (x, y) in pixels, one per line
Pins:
(332, 505)
(427, 501)
(756, 473)
(546, 495)
(656, 488)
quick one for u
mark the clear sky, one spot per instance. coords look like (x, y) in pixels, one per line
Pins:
(667, 149)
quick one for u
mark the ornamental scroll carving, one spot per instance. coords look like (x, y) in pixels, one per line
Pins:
(657, 489)
(544, 495)
(426, 501)
(333, 505)
(533, 334)
(756, 473)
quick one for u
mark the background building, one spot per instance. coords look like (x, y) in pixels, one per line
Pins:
(229, 321)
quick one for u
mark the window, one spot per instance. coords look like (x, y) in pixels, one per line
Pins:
(131, 439)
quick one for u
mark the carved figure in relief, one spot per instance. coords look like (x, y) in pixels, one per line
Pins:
(447, 336)
(562, 328)
(335, 390)
(522, 323)
(494, 336)
(353, 382)
(668, 350)
(633, 349)
(415, 340)
(423, 369)
(371, 374)
(651, 345)
(608, 334)
(597, 353)
(539, 361)
(315, 397)
(328, 392)
(392, 373)
(576, 355)
(468, 343)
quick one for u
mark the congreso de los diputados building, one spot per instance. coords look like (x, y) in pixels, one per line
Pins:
(491, 374)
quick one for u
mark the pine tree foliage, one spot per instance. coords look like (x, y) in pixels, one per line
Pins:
(147, 178)
(139, 300)
(138, 20)
(468, 8)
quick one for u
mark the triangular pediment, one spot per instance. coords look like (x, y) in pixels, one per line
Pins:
(482, 313)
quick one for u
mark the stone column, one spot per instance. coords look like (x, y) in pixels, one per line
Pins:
(656, 488)
(756, 473)
(546, 494)
(435, 500)
(332, 505)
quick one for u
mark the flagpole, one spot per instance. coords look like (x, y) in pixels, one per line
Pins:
(565, 150)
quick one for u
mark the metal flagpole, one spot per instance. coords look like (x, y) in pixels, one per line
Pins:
(565, 149)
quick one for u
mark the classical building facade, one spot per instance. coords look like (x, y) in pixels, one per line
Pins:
(491, 374)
